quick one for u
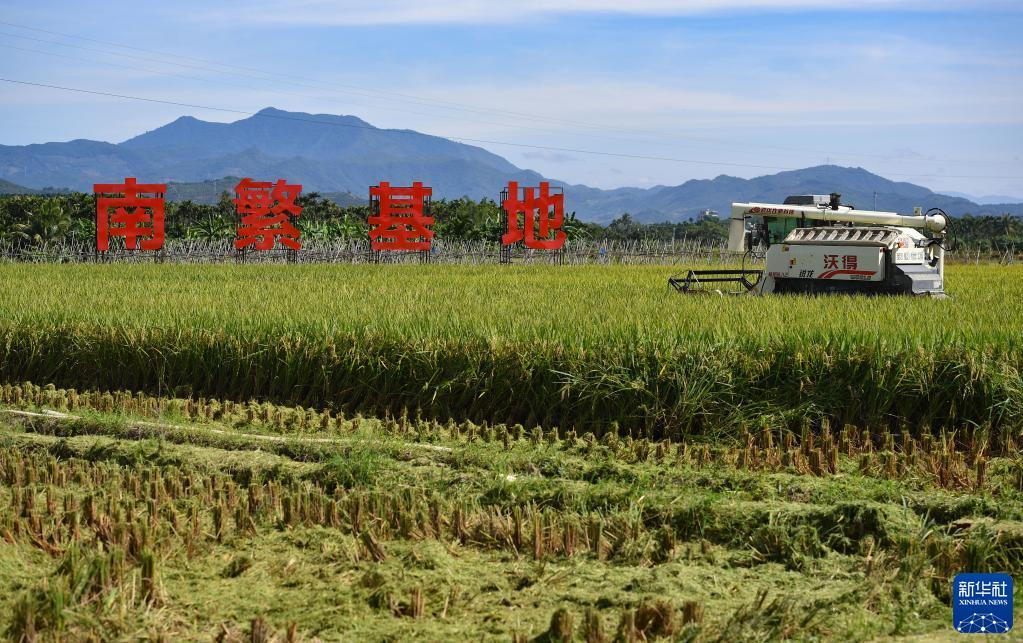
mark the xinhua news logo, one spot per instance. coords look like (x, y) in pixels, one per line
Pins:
(982, 603)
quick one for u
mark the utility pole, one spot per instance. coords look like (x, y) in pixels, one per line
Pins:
(875, 200)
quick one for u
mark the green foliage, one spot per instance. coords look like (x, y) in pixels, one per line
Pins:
(468, 220)
(44, 224)
(625, 228)
(989, 233)
(356, 468)
(321, 219)
(461, 219)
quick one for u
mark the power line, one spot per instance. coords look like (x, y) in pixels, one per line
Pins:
(218, 82)
(459, 138)
(442, 104)
(276, 78)
(388, 107)
(363, 93)
(370, 127)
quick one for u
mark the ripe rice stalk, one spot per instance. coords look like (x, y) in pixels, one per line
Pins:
(417, 604)
(561, 629)
(593, 627)
(538, 536)
(376, 551)
(692, 613)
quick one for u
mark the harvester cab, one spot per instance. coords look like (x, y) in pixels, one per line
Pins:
(816, 244)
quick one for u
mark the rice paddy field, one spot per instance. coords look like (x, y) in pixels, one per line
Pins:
(257, 453)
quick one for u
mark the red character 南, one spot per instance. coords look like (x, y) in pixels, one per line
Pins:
(123, 211)
(543, 214)
(399, 221)
(267, 210)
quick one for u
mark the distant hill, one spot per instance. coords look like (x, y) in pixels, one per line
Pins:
(987, 199)
(342, 156)
(325, 153)
(201, 191)
(345, 199)
(210, 191)
(857, 186)
(6, 187)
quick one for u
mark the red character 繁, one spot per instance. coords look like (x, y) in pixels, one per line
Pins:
(267, 212)
(130, 210)
(543, 214)
(399, 220)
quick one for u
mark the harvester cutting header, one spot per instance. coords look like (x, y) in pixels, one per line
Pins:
(816, 244)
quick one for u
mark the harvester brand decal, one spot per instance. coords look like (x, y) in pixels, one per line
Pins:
(760, 210)
(850, 266)
(831, 273)
(908, 256)
(849, 262)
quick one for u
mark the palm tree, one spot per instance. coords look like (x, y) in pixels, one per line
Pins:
(317, 230)
(212, 228)
(48, 224)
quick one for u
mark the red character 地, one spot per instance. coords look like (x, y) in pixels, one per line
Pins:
(849, 262)
(130, 210)
(830, 261)
(399, 221)
(267, 211)
(543, 215)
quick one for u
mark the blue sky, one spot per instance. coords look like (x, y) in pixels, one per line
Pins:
(927, 92)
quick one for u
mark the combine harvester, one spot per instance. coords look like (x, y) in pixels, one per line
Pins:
(815, 244)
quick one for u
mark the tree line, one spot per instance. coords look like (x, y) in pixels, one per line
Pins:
(39, 220)
(36, 220)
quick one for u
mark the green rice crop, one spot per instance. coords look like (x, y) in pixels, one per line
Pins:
(590, 347)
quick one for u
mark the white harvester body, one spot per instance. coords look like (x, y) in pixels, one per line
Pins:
(884, 260)
(814, 244)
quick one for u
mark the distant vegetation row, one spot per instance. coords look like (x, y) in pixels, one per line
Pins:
(38, 220)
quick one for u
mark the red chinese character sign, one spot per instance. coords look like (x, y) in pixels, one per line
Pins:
(543, 214)
(268, 211)
(131, 210)
(399, 220)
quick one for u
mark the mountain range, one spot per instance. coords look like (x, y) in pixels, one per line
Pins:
(986, 199)
(344, 155)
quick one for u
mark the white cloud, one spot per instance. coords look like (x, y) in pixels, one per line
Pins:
(658, 108)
